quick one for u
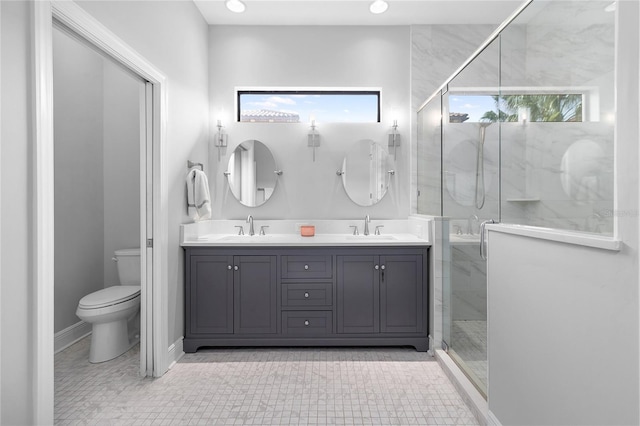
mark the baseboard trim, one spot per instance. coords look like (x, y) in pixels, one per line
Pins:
(176, 351)
(474, 400)
(70, 335)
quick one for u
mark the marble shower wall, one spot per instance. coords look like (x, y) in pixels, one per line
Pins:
(546, 177)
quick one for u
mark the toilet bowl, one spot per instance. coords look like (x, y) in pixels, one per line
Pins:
(113, 311)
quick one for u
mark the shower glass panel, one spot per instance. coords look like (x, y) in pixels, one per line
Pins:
(526, 136)
(429, 158)
(557, 113)
(470, 195)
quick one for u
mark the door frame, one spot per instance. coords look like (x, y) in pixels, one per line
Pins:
(154, 298)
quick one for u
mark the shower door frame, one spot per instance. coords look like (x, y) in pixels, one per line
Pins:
(154, 354)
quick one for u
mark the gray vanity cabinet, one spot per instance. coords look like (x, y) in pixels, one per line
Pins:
(380, 294)
(209, 295)
(305, 296)
(358, 294)
(255, 294)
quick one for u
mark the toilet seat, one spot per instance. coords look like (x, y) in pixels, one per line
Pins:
(109, 296)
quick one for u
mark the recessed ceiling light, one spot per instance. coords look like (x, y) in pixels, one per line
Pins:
(378, 6)
(235, 6)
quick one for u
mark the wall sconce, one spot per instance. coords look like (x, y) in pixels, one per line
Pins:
(220, 139)
(394, 138)
(313, 139)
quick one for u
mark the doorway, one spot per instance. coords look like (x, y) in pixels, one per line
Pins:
(98, 135)
(154, 356)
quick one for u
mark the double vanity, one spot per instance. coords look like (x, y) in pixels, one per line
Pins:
(283, 289)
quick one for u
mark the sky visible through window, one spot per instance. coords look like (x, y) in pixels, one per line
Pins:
(351, 107)
(474, 105)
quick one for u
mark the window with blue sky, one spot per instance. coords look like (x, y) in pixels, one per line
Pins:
(303, 106)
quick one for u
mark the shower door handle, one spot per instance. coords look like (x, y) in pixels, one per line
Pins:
(483, 251)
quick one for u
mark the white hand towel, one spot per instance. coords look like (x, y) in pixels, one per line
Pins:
(198, 198)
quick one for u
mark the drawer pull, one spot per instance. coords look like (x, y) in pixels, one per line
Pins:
(306, 267)
(306, 295)
(229, 267)
(306, 323)
(235, 268)
(382, 267)
(376, 267)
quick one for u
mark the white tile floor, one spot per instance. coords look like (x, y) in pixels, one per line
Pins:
(301, 386)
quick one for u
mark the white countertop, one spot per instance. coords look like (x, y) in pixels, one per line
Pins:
(293, 240)
(285, 233)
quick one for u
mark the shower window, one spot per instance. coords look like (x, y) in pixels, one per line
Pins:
(511, 106)
(294, 106)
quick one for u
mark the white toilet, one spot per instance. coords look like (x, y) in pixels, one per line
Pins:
(111, 309)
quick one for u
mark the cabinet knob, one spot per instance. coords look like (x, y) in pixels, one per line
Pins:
(376, 267)
(306, 323)
(382, 267)
(229, 267)
(306, 295)
(306, 267)
(235, 268)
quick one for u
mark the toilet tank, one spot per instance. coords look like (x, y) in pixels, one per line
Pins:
(128, 263)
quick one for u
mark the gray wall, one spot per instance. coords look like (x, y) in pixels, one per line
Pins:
(78, 175)
(97, 173)
(315, 56)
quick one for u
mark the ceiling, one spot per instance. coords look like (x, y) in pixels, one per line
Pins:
(356, 12)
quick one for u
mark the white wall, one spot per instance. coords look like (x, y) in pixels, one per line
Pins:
(151, 29)
(293, 56)
(17, 204)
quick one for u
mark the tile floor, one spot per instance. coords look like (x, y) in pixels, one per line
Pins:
(292, 386)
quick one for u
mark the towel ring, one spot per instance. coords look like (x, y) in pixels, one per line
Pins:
(191, 164)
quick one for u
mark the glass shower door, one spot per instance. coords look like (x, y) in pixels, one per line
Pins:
(470, 195)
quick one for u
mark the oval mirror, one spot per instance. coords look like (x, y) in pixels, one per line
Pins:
(365, 172)
(582, 171)
(251, 173)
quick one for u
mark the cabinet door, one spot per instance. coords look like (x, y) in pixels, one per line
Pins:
(255, 294)
(358, 297)
(401, 294)
(210, 295)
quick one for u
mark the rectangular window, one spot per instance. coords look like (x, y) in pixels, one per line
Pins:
(546, 107)
(294, 106)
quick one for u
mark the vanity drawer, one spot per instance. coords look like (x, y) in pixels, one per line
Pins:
(307, 267)
(311, 294)
(307, 323)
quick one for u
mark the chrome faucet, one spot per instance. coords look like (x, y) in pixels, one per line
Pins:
(366, 224)
(470, 220)
(250, 221)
